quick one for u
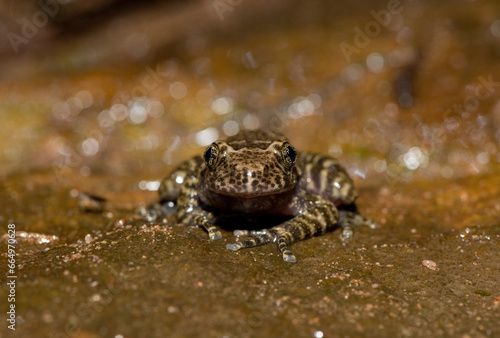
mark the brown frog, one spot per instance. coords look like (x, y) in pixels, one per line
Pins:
(260, 172)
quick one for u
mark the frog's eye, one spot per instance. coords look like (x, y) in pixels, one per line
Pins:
(211, 156)
(288, 154)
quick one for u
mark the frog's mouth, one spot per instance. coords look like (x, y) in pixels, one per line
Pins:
(262, 202)
(251, 194)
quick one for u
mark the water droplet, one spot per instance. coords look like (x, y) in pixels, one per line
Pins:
(375, 62)
(138, 113)
(495, 28)
(118, 112)
(353, 72)
(251, 122)
(88, 239)
(137, 45)
(222, 105)
(231, 128)
(447, 172)
(178, 90)
(483, 158)
(380, 166)
(90, 147)
(206, 136)
(430, 264)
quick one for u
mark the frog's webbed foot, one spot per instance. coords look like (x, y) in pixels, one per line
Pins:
(283, 241)
(213, 233)
(157, 210)
(348, 220)
(203, 220)
(260, 237)
(189, 210)
(265, 236)
(317, 217)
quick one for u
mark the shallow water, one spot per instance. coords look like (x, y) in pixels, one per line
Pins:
(413, 114)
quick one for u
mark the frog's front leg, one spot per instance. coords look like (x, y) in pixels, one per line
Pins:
(189, 210)
(315, 216)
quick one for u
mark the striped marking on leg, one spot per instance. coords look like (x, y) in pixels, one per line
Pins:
(190, 212)
(284, 240)
(256, 241)
(202, 221)
(314, 221)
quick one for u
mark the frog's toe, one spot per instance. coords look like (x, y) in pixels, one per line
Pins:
(289, 257)
(347, 233)
(371, 224)
(234, 246)
(252, 233)
(149, 213)
(241, 233)
(213, 235)
(253, 242)
(156, 210)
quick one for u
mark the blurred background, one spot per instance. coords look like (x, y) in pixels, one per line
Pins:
(397, 89)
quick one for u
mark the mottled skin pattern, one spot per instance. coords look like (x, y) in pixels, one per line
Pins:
(259, 172)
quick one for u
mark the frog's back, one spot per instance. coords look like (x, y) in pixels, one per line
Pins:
(260, 139)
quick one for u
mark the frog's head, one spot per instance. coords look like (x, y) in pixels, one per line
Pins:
(250, 168)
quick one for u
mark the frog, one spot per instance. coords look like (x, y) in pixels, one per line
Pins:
(259, 172)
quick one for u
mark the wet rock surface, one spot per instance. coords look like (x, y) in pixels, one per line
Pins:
(113, 273)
